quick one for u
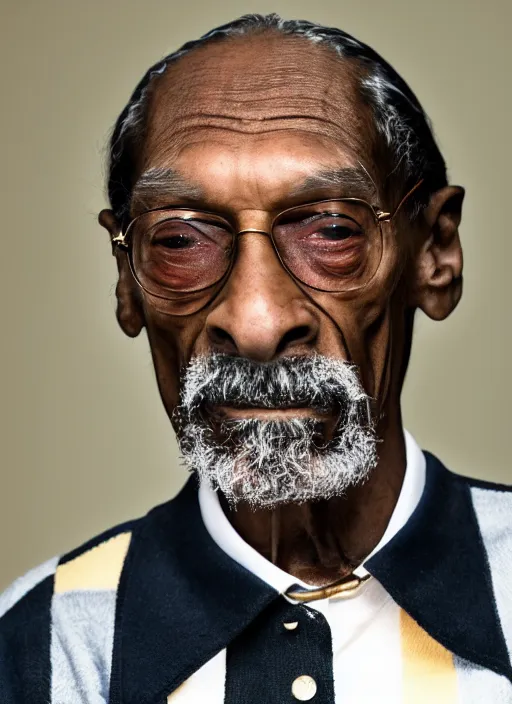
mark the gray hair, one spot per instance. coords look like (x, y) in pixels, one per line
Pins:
(399, 118)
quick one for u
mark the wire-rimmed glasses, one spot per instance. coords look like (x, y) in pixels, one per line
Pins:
(181, 257)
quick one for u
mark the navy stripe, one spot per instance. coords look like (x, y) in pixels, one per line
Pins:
(25, 666)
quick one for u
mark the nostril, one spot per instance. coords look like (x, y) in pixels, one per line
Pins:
(221, 339)
(298, 334)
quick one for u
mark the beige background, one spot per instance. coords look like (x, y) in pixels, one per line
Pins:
(84, 440)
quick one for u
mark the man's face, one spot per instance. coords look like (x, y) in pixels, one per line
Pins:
(249, 128)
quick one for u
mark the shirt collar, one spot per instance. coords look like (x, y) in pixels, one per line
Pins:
(181, 599)
(228, 540)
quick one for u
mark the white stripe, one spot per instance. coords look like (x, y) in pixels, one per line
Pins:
(82, 636)
(26, 583)
(206, 684)
(368, 666)
(493, 510)
(478, 685)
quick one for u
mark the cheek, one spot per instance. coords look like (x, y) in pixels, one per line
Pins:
(172, 341)
(364, 320)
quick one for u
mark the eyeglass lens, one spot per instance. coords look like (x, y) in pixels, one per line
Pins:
(330, 246)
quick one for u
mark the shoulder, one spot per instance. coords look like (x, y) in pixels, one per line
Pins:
(491, 505)
(67, 600)
(491, 501)
(94, 563)
(58, 621)
(21, 587)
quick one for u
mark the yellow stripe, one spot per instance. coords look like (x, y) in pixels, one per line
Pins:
(98, 568)
(429, 675)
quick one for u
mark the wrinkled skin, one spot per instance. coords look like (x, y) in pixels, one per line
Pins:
(244, 124)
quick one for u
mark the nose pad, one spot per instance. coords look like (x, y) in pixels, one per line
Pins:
(261, 313)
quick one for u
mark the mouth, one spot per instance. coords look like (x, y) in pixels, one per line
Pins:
(278, 413)
(266, 413)
(325, 420)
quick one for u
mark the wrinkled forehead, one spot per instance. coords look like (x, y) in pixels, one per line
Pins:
(257, 85)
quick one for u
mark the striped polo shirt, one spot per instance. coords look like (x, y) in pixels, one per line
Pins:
(156, 611)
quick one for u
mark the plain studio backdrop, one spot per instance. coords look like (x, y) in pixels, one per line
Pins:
(85, 442)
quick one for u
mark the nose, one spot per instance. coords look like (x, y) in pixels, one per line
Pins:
(261, 313)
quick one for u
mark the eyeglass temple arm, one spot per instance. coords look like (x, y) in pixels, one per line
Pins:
(385, 217)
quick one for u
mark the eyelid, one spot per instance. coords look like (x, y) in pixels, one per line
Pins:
(197, 222)
(200, 215)
(343, 218)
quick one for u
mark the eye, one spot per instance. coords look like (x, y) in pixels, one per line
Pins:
(330, 230)
(177, 234)
(335, 232)
(176, 242)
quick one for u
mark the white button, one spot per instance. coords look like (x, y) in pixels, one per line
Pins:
(304, 688)
(291, 625)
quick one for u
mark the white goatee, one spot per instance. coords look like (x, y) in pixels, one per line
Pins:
(271, 462)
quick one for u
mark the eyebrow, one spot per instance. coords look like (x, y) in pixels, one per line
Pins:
(167, 184)
(349, 181)
(163, 182)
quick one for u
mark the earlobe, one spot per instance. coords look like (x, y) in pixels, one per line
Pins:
(438, 271)
(129, 311)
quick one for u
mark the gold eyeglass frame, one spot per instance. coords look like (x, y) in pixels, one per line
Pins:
(122, 241)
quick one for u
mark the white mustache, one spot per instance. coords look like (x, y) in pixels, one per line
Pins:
(315, 381)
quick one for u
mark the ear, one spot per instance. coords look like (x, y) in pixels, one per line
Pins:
(437, 284)
(129, 312)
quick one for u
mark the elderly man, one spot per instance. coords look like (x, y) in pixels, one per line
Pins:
(279, 211)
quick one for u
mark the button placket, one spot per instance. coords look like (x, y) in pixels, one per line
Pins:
(285, 656)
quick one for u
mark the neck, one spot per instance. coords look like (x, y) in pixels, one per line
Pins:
(322, 541)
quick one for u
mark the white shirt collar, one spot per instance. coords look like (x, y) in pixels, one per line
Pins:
(226, 537)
